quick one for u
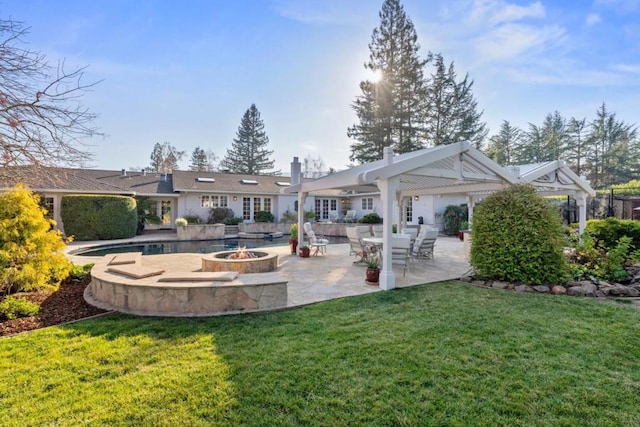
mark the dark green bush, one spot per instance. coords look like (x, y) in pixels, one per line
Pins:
(219, 215)
(608, 232)
(12, 307)
(454, 216)
(371, 218)
(88, 217)
(517, 236)
(264, 216)
(234, 220)
(79, 272)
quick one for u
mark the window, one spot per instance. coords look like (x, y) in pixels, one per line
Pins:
(246, 208)
(267, 204)
(209, 201)
(323, 206)
(410, 210)
(165, 212)
(367, 203)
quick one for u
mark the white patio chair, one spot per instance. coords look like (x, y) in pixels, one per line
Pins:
(423, 248)
(319, 244)
(350, 217)
(377, 230)
(400, 249)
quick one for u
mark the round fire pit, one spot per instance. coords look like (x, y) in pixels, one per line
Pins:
(262, 262)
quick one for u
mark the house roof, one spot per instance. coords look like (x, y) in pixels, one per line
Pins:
(91, 181)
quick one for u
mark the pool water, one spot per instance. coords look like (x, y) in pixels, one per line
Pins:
(184, 246)
(189, 246)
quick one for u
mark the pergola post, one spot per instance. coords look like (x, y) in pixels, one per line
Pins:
(388, 189)
(302, 197)
(581, 201)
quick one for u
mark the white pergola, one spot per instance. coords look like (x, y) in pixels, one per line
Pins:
(447, 169)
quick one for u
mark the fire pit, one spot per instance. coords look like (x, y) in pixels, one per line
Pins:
(242, 261)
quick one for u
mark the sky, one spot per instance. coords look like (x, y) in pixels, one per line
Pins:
(186, 71)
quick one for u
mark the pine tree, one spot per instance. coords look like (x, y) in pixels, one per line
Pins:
(502, 145)
(451, 114)
(577, 145)
(199, 161)
(248, 153)
(390, 110)
(554, 136)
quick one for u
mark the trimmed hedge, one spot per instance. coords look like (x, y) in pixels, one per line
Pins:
(89, 217)
(518, 237)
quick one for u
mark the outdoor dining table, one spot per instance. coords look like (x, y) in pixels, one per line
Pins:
(376, 241)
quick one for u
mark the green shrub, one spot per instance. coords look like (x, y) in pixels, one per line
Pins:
(193, 219)
(453, 216)
(607, 232)
(264, 216)
(518, 237)
(219, 215)
(234, 220)
(309, 215)
(371, 218)
(12, 308)
(590, 261)
(289, 216)
(181, 222)
(89, 217)
(31, 250)
(80, 272)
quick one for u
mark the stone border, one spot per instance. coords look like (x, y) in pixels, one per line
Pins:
(149, 297)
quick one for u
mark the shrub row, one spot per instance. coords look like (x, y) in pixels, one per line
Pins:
(89, 217)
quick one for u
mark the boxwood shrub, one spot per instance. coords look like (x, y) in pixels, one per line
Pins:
(517, 236)
(89, 217)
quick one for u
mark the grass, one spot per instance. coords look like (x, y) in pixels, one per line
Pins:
(445, 354)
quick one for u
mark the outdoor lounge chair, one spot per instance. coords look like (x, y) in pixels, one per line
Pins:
(318, 243)
(400, 249)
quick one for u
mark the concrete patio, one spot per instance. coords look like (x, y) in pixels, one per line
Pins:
(318, 278)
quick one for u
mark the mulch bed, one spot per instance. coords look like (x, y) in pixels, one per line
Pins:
(65, 305)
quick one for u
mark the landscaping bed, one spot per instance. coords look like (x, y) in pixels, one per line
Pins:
(65, 305)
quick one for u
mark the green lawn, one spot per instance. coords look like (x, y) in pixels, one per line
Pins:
(445, 354)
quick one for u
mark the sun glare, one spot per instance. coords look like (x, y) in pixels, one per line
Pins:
(375, 76)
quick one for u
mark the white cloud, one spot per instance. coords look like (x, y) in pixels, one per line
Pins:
(314, 12)
(619, 5)
(627, 68)
(592, 19)
(499, 11)
(511, 41)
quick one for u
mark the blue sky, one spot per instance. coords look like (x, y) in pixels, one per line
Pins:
(185, 72)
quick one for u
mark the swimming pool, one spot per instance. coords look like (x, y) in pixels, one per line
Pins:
(182, 246)
(188, 246)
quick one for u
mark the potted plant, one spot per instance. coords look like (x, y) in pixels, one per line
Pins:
(373, 259)
(305, 250)
(293, 239)
(464, 226)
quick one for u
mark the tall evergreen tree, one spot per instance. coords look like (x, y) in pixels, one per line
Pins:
(248, 153)
(451, 115)
(199, 161)
(531, 146)
(390, 110)
(502, 145)
(613, 145)
(554, 136)
(577, 145)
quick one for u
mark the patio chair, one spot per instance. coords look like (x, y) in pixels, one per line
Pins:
(400, 250)
(334, 216)
(350, 217)
(377, 230)
(356, 246)
(411, 232)
(423, 247)
(318, 243)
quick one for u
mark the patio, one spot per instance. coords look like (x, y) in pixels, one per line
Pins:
(320, 278)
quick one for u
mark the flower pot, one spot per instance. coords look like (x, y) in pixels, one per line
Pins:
(305, 252)
(373, 276)
(293, 244)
